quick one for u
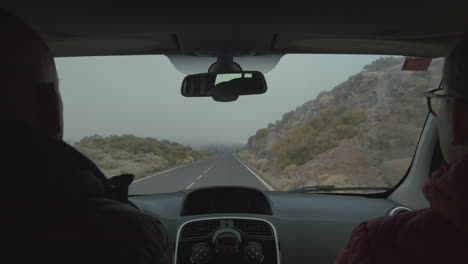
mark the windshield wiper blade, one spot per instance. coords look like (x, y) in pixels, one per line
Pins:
(331, 188)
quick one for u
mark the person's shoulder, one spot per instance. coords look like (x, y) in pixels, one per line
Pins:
(358, 249)
(408, 226)
(147, 236)
(384, 227)
(58, 162)
(390, 223)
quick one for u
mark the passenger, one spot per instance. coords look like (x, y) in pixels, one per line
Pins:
(438, 234)
(57, 206)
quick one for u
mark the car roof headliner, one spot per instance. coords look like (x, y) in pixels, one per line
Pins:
(130, 29)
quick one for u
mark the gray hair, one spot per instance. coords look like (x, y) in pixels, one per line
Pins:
(456, 68)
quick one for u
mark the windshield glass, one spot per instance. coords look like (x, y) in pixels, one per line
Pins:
(328, 120)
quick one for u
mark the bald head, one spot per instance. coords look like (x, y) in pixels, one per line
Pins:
(29, 83)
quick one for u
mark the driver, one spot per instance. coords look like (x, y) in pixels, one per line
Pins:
(56, 204)
(438, 234)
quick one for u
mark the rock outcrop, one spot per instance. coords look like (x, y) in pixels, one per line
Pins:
(363, 132)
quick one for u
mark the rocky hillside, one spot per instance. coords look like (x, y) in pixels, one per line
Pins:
(363, 132)
(115, 155)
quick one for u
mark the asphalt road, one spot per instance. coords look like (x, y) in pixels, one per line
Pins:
(222, 168)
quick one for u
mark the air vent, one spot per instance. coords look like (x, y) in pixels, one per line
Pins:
(254, 228)
(199, 229)
(399, 209)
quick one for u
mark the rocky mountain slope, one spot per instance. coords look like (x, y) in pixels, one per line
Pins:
(115, 155)
(363, 132)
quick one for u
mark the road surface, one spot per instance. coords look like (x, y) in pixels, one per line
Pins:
(223, 168)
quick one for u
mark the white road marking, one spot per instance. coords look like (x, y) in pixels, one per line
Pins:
(200, 176)
(255, 174)
(161, 172)
(188, 187)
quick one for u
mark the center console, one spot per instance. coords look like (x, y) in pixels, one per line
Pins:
(227, 240)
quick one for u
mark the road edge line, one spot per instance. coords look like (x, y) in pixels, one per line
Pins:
(255, 174)
(168, 170)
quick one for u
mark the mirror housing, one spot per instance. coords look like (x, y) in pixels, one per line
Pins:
(224, 87)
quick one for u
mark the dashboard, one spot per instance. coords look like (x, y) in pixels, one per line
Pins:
(246, 225)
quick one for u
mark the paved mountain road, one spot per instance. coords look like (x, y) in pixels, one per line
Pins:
(223, 168)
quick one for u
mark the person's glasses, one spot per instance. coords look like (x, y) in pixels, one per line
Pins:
(434, 99)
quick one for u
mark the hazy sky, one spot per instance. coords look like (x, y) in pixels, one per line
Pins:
(140, 95)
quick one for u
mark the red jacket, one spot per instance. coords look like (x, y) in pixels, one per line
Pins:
(435, 235)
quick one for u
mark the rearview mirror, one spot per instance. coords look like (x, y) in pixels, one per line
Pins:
(224, 87)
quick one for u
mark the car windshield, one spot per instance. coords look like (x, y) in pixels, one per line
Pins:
(336, 121)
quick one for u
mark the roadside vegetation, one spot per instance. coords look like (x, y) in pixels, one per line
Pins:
(318, 135)
(115, 155)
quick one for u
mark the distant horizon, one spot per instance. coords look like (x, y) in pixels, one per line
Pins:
(147, 102)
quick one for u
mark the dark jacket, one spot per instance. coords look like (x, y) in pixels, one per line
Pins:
(435, 235)
(57, 207)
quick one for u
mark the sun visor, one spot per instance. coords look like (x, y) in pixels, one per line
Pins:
(420, 48)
